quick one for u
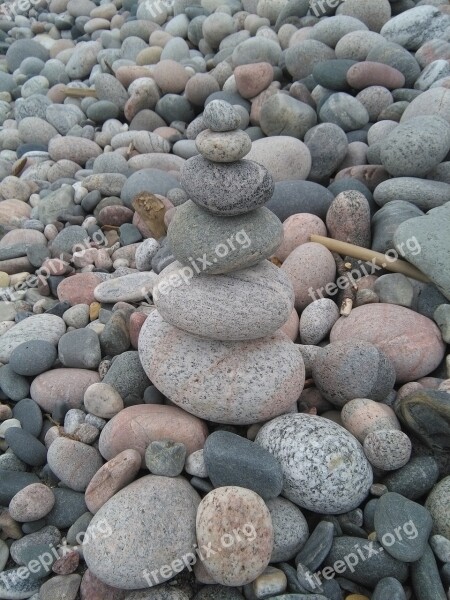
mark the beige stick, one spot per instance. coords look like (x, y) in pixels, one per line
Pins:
(80, 92)
(381, 260)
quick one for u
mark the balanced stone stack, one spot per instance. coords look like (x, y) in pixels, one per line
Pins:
(214, 346)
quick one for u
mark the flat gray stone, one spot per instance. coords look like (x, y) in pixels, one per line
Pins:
(37, 327)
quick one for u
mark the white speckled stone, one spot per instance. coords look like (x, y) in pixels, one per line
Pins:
(223, 147)
(387, 449)
(237, 558)
(324, 466)
(221, 116)
(317, 320)
(225, 382)
(243, 305)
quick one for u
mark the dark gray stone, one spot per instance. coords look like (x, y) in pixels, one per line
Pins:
(128, 378)
(164, 457)
(317, 546)
(36, 254)
(292, 197)
(345, 111)
(69, 506)
(402, 527)
(163, 258)
(115, 337)
(328, 145)
(26, 447)
(12, 482)
(424, 193)
(68, 238)
(415, 479)
(129, 234)
(29, 414)
(429, 299)
(172, 107)
(226, 188)
(154, 181)
(13, 585)
(389, 587)
(233, 460)
(283, 115)
(387, 219)
(425, 578)
(33, 357)
(332, 74)
(22, 49)
(14, 386)
(80, 349)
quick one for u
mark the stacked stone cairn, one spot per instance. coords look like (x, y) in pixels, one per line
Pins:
(214, 346)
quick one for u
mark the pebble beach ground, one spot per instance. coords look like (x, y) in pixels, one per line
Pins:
(225, 300)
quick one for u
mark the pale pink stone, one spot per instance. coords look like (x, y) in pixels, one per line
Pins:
(62, 385)
(297, 230)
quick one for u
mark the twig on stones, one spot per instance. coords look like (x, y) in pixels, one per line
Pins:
(80, 92)
(348, 295)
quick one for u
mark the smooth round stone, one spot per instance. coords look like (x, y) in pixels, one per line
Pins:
(30, 416)
(348, 219)
(128, 288)
(328, 146)
(102, 400)
(415, 479)
(256, 50)
(386, 221)
(77, 149)
(351, 369)
(330, 31)
(316, 321)
(297, 230)
(285, 157)
(253, 79)
(395, 56)
(330, 473)
(218, 307)
(199, 87)
(282, 114)
(15, 387)
(111, 478)
(290, 529)
(434, 102)
(372, 15)
(137, 426)
(234, 460)
(223, 147)
(414, 148)
(78, 289)
(21, 49)
(80, 349)
(32, 503)
(220, 116)
(387, 449)
(310, 267)
(142, 515)
(362, 416)
(303, 57)
(154, 181)
(367, 73)
(413, 27)
(394, 288)
(62, 385)
(389, 587)
(273, 361)
(74, 463)
(393, 511)
(423, 193)
(248, 185)
(427, 414)
(332, 74)
(411, 341)
(366, 572)
(228, 509)
(26, 447)
(345, 111)
(294, 197)
(437, 504)
(166, 458)
(48, 328)
(13, 482)
(195, 235)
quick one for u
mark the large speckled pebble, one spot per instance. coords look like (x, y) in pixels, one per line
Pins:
(37, 327)
(137, 426)
(414, 148)
(102, 400)
(387, 449)
(362, 416)
(317, 320)
(223, 147)
(412, 342)
(145, 532)
(243, 305)
(345, 111)
(74, 463)
(285, 158)
(413, 27)
(236, 523)
(324, 466)
(282, 114)
(296, 231)
(221, 116)
(290, 529)
(310, 267)
(225, 382)
(206, 244)
(32, 503)
(438, 505)
(353, 369)
(348, 218)
(226, 189)
(112, 477)
(52, 388)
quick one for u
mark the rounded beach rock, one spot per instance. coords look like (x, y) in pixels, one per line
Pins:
(240, 556)
(32, 503)
(362, 416)
(324, 466)
(296, 231)
(284, 157)
(74, 463)
(137, 426)
(62, 386)
(218, 307)
(49, 328)
(225, 382)
(145, 532)
(411, 341)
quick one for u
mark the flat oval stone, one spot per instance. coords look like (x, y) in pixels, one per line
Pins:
(285, 157)
(233, 460)
(218, 307)
(216, 380)
(245, 556)
(79, 288)
(62, 385)
(112, 477)
(32, 503)
(425, 194)
(37, 327)
(412, 342)
(415, 479)
(206, 244)
(330, 473)
(13, 482)
(367, 73)
(74, 463)
(345, 111)
(223, 147)
(296, 196)
(387, 450)
(137, 426)
(26, 447)
(129, 288)
(332, 74)
(33, 357)
(146, 533)
(248, 185)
